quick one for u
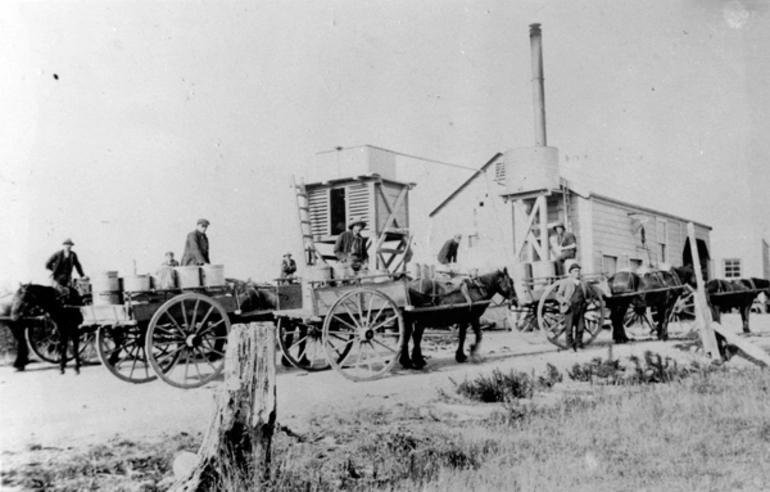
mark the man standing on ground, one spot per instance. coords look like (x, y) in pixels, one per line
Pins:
(196, 247)
(571, 293)
(61, 264)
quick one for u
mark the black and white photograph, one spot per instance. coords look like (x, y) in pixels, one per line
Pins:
(385, 245)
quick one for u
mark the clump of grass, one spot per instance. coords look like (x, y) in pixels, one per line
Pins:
(653, 368)
(506, 388)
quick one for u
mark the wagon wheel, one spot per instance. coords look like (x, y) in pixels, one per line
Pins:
(523, 318)
(186, 340)
(639, 321)
(302, 345)
(43, 339)
(88, 346)
(682, 317)
(121, 350)
(551, 320)
(362, 334)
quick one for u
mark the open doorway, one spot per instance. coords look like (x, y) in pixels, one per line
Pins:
(703, 256)
(337, 211)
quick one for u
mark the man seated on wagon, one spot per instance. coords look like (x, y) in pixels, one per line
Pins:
(565, 247)
(350, 247)
(288, 269)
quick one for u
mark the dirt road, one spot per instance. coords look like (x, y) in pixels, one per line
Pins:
(43, 408)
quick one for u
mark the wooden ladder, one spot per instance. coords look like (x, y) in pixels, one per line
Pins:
(303, 209)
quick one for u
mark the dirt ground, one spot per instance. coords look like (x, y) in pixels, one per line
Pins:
(40, 408)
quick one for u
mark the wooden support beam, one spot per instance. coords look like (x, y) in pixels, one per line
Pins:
(703, 318)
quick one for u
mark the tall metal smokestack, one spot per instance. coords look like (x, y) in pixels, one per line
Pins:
(538, 93)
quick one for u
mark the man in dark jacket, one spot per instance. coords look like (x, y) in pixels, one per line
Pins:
(61, 264)
(571, 294)
(196, 247)
(288, 268)
(448, 253)
(350, 247)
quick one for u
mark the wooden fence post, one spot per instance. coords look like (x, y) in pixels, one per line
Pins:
(235, 452)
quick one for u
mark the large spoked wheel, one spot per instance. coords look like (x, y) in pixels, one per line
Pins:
(121, 350)
(681, 321)
(362, 334)
(186, 340)
(552, 321)
(43, 339)
(302, 345)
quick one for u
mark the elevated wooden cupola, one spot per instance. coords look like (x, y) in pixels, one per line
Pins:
(358, 183)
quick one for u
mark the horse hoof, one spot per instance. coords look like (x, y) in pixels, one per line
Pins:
(19, 369)
(746, 330)
(419, 363)
(284, 362)
(77, 371)
(461, 358)
(61, 371)
(406, 364)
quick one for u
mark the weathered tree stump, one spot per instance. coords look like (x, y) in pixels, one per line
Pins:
(235, 452)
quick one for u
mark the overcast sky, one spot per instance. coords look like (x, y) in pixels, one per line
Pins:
(122, 123)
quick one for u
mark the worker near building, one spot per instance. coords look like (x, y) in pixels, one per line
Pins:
(170, 261)
(571, 293)
(196, 247)
(566, 245)
(350, 247)
(288, 268)
(61, 265)
(448, 253)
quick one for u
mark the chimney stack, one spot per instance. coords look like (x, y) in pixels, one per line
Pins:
(538, 93)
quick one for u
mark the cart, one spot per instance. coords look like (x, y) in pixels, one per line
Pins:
(177, 335)
(354, 325)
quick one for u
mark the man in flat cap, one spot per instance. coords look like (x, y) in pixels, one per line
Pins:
(288, 268)
(350, 247)
(196, 247)
(61, 264)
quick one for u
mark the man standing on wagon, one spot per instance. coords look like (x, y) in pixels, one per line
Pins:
(196, 247)
(350, 247)
(571, 295)
(61, 264)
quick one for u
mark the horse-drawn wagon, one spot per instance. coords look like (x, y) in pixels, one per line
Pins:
(361, 325)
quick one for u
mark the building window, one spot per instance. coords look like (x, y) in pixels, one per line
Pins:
(473, 240)
(500, 172)
(609, 264)
(662, 241)
(732, 268)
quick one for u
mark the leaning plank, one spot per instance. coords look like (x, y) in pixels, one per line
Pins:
(745, 348)
(703, 318)
(235, 452)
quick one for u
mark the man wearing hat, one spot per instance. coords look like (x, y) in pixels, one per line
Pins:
(196, 247)
(61, 264)
(566, 244)
(571, 293)
(350, 247)
(288, 268)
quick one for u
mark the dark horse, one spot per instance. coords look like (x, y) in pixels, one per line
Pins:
(17, 328)
(659, 289)
(426, 293)
(724, 295)
(31, 298)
